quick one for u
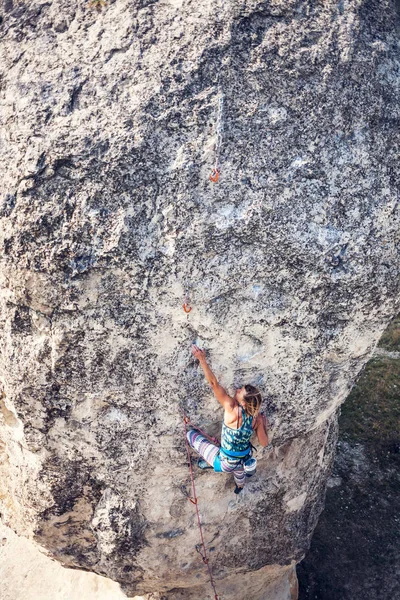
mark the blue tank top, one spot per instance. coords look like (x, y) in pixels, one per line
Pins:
(237, 441)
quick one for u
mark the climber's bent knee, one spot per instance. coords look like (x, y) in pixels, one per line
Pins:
(189, 436)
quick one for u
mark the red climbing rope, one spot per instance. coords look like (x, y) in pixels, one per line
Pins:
(194, 500)
(209, 437)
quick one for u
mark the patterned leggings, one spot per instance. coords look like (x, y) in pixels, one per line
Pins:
(210, 451)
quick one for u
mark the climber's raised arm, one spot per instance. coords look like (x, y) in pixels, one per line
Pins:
(220, 394)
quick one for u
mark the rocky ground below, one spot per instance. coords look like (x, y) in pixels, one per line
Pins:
(355, 551)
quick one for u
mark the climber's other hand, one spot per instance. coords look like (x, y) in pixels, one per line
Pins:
(265, 421)
(197, 353)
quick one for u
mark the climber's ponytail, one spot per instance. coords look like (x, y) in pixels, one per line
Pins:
(252, 400)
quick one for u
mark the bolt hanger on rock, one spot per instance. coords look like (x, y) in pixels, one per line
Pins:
(187, 305)
(214, 175)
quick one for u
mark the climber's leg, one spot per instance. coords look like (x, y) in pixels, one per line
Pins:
(205, 448)
(231, 466)
(210, 451)
(239, 476)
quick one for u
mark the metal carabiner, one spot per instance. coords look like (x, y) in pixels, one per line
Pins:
(215, 175)
(187, 308)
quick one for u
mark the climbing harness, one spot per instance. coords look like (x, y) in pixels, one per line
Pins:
(201, 548)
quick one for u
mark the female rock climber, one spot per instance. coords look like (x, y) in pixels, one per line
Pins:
(242, 417)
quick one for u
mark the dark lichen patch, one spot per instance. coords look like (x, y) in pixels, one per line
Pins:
(66, 480)
(22, 321)
(8, 203)
(65, 527)
(130, 527)
(173, 533)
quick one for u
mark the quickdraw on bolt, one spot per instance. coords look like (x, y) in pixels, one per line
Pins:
(187, 308)
(203, 558)
(215, 175)
(187, 496)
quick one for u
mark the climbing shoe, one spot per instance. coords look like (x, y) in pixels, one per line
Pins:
(237, 489)
(203, 464)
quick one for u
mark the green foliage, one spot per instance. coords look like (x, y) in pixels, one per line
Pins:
(391, 338)
(371, 413)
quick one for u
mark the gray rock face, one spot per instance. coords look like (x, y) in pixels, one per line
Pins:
(109, 222)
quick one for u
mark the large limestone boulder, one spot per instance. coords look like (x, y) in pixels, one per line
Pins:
(112, 120)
